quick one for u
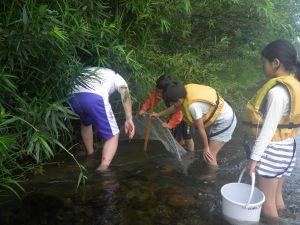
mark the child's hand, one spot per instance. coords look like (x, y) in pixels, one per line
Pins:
(165, 125)
(154, 115)
(129, 128)
(207, 156)
(251, 166)
(142, 113)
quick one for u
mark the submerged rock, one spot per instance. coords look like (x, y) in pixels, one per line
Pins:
(181, 200)
(42, 203)
(166, 169)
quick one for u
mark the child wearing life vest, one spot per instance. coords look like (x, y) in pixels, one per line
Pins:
(272, 119)
(203, 107)
(182, 131)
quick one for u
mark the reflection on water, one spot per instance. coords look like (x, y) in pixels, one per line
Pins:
(139, 189)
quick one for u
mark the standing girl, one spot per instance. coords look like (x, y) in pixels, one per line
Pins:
(272, 118)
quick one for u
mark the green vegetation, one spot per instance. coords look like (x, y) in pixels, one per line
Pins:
(45, 44)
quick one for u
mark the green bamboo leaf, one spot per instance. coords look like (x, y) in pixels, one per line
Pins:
(62, 125)
(48, 151)
(9, 121)
(42, 10)
(3, 151)
(60, 34)
(10, 189)
(47, 147)
(11, 181)
(80, 177)
(53, 124)
(37, 149)
(187, 6)
(24, 16)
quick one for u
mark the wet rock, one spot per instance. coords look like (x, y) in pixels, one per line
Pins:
(41, 208)
(68, 201)
(42, 203)
(137, 217)
(166, 169)
(141, 197)
(178, 200)
(163, 211)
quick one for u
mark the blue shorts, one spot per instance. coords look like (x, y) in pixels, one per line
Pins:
(96, 111)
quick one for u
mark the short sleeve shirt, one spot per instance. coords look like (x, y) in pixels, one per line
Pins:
(199, 109)
(102, 81)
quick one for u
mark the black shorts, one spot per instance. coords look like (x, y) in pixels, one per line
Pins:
(183, 130)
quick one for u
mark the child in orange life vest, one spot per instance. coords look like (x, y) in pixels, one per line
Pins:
(272, 119)
(181, 129)
(202, 107)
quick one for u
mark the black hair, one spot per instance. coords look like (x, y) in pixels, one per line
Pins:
(168, 104)
(163, 81)
(174, 92)
(285, 52)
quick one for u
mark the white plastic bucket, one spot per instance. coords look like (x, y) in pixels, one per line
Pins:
(241, 203)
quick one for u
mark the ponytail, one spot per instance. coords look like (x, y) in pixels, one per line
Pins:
(297, 73)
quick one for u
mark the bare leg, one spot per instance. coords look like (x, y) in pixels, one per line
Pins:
(108, 152)
(215, 147)
(189, 143)
(269, 188)
(87, 137)
(181, 141)
(279, 199)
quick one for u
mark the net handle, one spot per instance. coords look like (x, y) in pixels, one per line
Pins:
(149, 122)
(169, 132)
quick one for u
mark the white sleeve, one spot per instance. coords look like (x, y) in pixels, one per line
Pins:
(196, 110)
(277, 100)
(119, 82)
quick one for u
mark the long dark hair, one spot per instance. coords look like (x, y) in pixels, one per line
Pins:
(285, 52)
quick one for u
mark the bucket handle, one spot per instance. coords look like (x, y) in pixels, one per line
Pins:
(252, 185)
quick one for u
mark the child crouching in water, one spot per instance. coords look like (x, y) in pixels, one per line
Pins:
(203, 107)
(182, 131)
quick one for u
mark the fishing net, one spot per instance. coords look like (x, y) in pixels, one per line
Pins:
(157, 133)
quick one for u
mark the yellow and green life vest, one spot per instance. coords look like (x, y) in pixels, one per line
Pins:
(288, 125)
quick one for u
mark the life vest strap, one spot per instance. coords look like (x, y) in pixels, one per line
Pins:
(225, 129)
(214, 111)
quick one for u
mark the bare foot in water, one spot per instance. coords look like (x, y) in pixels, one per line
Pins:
(89, 153)
(102, 168)
(213, 166)
(280, 207)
